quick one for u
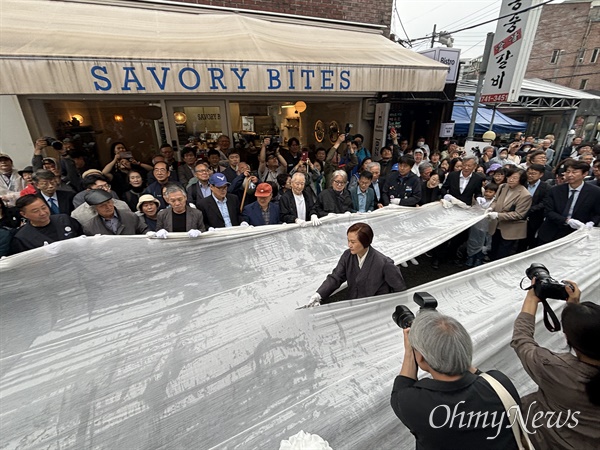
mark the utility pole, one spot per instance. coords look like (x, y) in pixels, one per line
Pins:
(433, 35)
(489, 42)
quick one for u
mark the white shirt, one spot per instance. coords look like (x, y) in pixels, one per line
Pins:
(300, 206)
(575, 197)
(361, 260)
(462, 181)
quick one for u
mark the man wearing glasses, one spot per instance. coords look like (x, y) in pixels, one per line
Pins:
(220, 209)
(336, 199)
(46, 183)
(161, 173)
(200, 189)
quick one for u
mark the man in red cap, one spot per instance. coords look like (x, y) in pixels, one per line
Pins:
(262, 211)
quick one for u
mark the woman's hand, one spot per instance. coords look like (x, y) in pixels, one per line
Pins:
(573, 291)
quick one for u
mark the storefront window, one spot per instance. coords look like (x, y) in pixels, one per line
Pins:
(201, 123)
(94, 125)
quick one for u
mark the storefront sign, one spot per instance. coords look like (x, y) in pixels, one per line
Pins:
(447, 130)
(448, 56)
(382, 111)
(510, 52)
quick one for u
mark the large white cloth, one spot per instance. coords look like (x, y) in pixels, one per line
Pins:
(143, 343)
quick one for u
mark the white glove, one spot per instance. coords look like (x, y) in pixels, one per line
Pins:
(329, 215)
(395, 201)
(244, 224)
(589, 225)
(300, 221)
(575, 224)
(151, 234)
(315, 300)
(193, 233)
(315, 221)
(414, 262)
(211, 228)
(481, 201)
(446, 204)
(459, 203)
(404, 264)
(46, 243)
(347, 213)
(493, 215)
(489, 210)
(162, 234)
(449, 197)
(83, 236)
(305, 223)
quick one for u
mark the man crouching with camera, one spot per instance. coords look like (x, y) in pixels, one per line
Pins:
(456, 408)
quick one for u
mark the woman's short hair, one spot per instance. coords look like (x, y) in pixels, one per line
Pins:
(364, 233)
(339, 173)
(443, 342)
(581, 325)
(510, 171)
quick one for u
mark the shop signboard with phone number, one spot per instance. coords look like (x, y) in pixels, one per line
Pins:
(510, 51)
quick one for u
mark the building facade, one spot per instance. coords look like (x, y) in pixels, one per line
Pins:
(566, 49)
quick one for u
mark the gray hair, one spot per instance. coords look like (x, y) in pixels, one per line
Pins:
(43, 174)
(298, 175)
(424, 166)
(340, 173)
(172, 188)
(373, 164)
(469, 158)
(443, 342)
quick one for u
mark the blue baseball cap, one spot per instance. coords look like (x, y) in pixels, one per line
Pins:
(218, 180)
(395, 168)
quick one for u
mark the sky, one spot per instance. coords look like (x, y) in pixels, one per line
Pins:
(419, 17)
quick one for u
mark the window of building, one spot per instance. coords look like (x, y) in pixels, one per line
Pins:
(583, 84)
(555, 56)
(581, 55)
(595, 53)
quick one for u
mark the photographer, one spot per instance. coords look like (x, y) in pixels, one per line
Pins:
(567, 383)
(454, 408)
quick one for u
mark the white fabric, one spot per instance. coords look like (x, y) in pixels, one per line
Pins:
(112, 37)
(129, 348)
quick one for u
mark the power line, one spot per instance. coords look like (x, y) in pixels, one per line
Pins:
(572, 76)
(486, 22)
(401, 24)
(464, 19)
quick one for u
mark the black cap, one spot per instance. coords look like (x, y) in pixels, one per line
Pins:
(27, 169)
(97, 196)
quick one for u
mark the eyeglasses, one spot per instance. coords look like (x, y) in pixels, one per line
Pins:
(339, 182)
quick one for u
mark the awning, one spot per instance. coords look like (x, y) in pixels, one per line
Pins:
(463, 110)
(50, 47)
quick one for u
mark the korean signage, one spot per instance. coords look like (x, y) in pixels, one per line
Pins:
(448, 56)
(510, 52)
(447, 130)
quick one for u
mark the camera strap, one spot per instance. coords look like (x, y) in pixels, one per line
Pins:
(550, 320)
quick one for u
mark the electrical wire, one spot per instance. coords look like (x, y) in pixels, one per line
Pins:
(486, 22)
(401, 24)
(464, 19)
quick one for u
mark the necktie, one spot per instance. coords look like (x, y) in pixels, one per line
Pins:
(569, 203)
(53, 206)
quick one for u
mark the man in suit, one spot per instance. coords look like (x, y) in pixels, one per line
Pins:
(363, 197)
(535, 216)
(463, 185)
(180, 217)
(570, 206)
(296, 204)
(262, 211)
(376, 182)
(185, 171)
(220, 209)
(110, 220)
(200, 188)
(46, 183)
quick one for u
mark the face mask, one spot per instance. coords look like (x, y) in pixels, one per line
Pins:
(421, 143)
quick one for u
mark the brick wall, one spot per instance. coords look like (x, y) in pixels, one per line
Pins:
(363, 11)
(568, 27)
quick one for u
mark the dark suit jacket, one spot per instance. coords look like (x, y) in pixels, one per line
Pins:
(287, 206)
(587, 209)
(130, 224)
(378, 276)
(29, 237)
(473, 189)
(212, 215)
(65, 201)
(253, 215)
(330, 201)
(370, 205)
(535, 216)
(193, 219)
(194, 193)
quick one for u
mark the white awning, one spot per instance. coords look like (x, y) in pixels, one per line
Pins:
(51, 47)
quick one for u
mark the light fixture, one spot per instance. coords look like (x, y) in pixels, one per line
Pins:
(180, 117)
(288, 106)
(300, 106)
(78, 117)
(118, 118)
(489, 136)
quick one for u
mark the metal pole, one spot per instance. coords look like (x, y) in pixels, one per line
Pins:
(489, 42)
(433, 36)
(493, 117)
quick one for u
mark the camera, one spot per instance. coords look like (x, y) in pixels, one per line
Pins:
(347, 130)
(545, 286)
(55, 143)
(403, 316)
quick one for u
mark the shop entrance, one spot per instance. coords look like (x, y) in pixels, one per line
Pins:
(199, 121)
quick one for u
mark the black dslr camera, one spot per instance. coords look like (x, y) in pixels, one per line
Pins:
(348, 136)
(403, 316)
(545, 286)
(55, 143)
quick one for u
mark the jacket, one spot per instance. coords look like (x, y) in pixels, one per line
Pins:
(13, 188)
(330, 201)
(535, 215)
(130, 224)
(28, 237)
(252, 214)
(193, 219)
(65, 201)
(379, 275)
(512, 206)
(472, 189)
(288, 212)
(212, 215)
(370, 204)
(407, 189)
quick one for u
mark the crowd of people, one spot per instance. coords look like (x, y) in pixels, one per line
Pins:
(526, 198)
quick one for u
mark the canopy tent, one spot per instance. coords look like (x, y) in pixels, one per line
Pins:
(131, 343)
(462, 112)
(96, 48)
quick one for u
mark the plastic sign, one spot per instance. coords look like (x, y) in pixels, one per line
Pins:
(447, 130)
(448, 56)
(510, 51)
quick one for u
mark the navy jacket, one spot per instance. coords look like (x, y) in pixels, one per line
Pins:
(253, 215)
